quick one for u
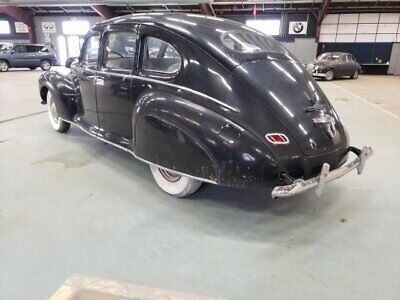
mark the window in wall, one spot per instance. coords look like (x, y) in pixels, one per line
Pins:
(120, 50)
(160, 56)
(75, 27)
(4, 27)
(73, 46)
(270, 27)
(62, 49)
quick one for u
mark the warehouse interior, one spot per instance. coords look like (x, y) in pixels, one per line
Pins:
(78, 214)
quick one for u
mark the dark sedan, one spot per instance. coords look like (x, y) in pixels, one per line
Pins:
(202, 99)
(331, 65)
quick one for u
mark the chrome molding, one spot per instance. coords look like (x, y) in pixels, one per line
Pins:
(172, 85)
(137, 157)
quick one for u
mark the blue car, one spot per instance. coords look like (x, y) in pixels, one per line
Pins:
(26, 56)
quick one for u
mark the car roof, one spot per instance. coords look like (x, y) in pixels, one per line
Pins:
(200, 29)
(29, 44)
(336, 53)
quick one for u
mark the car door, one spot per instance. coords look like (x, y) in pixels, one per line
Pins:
(84, 77)
(114, 83)
(18, 56)
(349, 66)
(32, 56)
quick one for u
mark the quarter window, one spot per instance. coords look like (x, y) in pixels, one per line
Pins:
(160, 56)
(91, 51)
(120, 49)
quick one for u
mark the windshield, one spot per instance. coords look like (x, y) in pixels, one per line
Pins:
(4, 47)
(329, 57)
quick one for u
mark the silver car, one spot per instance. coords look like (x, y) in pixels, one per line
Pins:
(26, 56)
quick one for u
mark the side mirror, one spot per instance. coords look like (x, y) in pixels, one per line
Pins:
(70, 62)
(12, 51)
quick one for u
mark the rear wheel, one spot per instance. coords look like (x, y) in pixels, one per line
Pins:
(56, 122)
(4, 66)
(355, 75)
(330, 75)
(173, 183)
(45, 65)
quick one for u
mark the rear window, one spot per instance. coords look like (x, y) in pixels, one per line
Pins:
(249, 44)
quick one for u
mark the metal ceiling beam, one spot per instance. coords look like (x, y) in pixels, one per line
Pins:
(207, 9)
(21, 15)
(104, 11)
(321, 16)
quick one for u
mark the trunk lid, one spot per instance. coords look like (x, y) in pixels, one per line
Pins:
(292, 95)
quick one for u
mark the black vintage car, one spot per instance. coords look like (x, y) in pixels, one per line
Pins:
(202, 99)
(332, 65)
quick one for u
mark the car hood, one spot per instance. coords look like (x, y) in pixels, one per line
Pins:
(288, 91)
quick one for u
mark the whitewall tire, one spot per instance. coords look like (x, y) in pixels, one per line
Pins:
(56, 122)
(174, 184)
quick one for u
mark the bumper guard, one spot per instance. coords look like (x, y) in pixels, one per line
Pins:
(300, 185)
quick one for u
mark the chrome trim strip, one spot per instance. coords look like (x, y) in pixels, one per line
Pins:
(172, 85)
(301, 185)
(137, 157)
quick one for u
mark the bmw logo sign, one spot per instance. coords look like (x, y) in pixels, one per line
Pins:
(298, 27)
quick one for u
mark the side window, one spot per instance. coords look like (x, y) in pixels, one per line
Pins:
(120, 50)
(353, 58)
(32, 49)
(91, 51)
(20, 49)
(159, 56)
(349, 58)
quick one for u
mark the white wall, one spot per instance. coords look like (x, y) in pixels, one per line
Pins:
(368, 27)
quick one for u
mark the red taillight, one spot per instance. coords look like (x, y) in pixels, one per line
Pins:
(277, 138)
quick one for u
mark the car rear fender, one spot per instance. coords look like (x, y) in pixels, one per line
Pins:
(180, 135)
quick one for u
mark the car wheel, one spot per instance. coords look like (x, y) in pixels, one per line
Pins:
(174, 184)
(45, 65)
(330, 75)
(355, 75)
(4, 66)
(32, 68)
(56, 122)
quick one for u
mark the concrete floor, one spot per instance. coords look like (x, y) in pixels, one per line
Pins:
(71, 204)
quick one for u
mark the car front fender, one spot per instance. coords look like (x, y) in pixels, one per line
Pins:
(62, 90)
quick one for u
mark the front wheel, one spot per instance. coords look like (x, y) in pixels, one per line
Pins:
(174, 184)
(330, 75)
(56, 122)
(45, 65)
(4, 66)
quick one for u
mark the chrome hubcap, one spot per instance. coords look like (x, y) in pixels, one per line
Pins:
(45, 65)
(329, 75)
(171, 177)
(3, 66)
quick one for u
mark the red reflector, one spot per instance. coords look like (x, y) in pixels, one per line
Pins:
(277, 138)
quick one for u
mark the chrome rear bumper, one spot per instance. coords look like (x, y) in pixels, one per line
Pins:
(300, 185)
